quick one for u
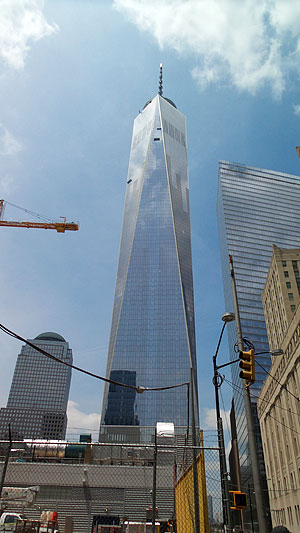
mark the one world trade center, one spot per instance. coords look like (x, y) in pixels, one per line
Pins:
(152, 339)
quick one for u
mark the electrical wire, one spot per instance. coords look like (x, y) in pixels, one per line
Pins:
(261, 399)
(235, 387)
(246, 342)
(284, 425)
(276, 405)
(250, 345)
(279, 422)
(277, 381)
(225, 412)
(138, 389)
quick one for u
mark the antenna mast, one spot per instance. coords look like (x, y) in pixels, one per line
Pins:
(160, 85)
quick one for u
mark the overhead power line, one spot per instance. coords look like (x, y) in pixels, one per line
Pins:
(138, 389)
(277, 381)
(232, 385)
(284, 425)
(236, 387)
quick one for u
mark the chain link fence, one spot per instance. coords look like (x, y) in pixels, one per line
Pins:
(118, 486)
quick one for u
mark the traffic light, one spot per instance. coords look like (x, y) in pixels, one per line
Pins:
(239, 500)
(247, 364)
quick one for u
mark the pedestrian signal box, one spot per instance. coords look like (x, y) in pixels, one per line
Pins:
(239, 500)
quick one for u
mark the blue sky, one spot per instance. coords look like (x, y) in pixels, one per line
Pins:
(73, 75)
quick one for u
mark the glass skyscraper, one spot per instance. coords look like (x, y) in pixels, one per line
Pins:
(152, 340)
(256, 208)
(37, 402)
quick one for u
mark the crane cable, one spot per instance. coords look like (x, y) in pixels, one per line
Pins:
(46, 219)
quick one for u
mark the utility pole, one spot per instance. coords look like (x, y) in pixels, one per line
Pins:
(261, 516)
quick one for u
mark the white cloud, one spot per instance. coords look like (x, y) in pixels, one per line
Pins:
(296, 109)
(81, 422)
(249, 44)
(21, 23)
(209, 418)
(9, 145)
(6, 185)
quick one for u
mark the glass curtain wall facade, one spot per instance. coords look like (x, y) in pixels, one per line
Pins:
(256, 209)
(152, 340)
(37, 402)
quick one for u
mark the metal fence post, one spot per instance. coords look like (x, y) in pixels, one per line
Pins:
(154, 482)
(6, 460)
(195, 469)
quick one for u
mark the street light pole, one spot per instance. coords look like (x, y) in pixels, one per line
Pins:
(261, 515)
(227, 518)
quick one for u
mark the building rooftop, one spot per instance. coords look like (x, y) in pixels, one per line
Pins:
(167, 99)
(50, 336)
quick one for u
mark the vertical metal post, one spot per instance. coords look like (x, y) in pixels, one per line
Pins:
(195, 469)
(154, 482)
(238, 472)
(227, 518)
(261, 516)
(6, 461)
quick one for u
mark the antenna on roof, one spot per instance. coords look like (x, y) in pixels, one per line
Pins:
(160, 85)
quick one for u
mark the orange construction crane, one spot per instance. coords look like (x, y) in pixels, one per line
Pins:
(60, 227)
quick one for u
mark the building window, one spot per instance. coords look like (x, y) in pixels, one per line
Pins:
(286, 274)
(291, 296)
(283, 263)
(293, 308)
(288, 284)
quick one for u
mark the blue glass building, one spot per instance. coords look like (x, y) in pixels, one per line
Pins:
(38, 397)
(152, 340)
(256, 208)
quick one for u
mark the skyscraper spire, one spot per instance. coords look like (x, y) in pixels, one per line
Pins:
(160, 85)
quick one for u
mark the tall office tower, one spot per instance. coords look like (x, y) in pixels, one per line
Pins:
(256, 209)
(152, 340)
(37, 402)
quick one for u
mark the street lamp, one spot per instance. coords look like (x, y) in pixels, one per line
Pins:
(228, 317)
(217, 381)
(274, 353)
(277, 352)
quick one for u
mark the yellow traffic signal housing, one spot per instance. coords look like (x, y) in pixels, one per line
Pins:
(239, 500)
(247, 364)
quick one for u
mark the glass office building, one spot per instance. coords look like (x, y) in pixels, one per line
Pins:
(256, 208)
(152, 340)
(37, 402)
